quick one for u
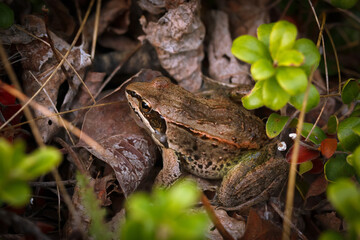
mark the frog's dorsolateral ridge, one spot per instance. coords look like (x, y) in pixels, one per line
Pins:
(209, 137)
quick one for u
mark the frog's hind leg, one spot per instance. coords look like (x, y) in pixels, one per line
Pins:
(171, 169)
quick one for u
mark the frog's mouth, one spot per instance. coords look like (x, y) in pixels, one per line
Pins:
(154, 123)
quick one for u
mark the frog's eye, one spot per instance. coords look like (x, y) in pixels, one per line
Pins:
(145, 107)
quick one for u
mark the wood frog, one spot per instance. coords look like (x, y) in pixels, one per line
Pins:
(210, 138)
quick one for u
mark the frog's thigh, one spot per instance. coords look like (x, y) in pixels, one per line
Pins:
(253, 186)
(171, 169)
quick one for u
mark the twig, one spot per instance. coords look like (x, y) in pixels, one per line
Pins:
(51, 183)
(210, 211)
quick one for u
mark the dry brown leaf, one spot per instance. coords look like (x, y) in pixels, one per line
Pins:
(233, 226)
(223, 66)
(40, 60)
(130, 151)
(245, 16)
(178, 37)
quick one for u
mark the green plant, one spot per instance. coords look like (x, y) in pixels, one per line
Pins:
(166, 214)
(6, 16)
(280, 65)
(16, 168)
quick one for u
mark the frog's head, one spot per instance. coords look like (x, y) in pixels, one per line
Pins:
(149, 100)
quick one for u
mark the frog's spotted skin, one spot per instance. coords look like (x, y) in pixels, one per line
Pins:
(209, 137)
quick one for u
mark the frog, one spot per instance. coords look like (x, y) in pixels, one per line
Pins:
(211, 138)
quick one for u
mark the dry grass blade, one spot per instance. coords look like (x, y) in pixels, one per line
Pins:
(294, 157)
(96, 28)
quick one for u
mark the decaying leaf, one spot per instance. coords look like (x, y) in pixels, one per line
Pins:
(130, 151)
(233, 226)
(178, 37)
(223, 66)
(39, 62)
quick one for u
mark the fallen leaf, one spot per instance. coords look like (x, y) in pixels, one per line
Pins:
(178, 39)
(223, 66)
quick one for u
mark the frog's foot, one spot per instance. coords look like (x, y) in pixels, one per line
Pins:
(263, 196)
(171, 169)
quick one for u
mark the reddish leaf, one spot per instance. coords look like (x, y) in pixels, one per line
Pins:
(305, 154)
(45, 227)
(318, 166)
(328, 147)
(317, 187)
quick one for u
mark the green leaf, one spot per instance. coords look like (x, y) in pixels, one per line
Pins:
(263, 33)
(6, 16)
(289, 58)
(305, 167)
(337, 168)
(254, 98)
(40, 162)
(275, 124)
(349, 140)
(6, 153)
(262, 69)
(317, 135)
(15, 193)
(350, 91)
(249, 49)
(345, 4)
(356, 129)
(311, 53)
(282, 37)
(292, 79)
(332, 124)
(313, 99)
(331, 235)
(274, 96)
(356, 160)
(345, 197)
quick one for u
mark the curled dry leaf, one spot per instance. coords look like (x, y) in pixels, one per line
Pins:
(245, 16)
(178, 37)
(130, 151)
(40, 61)
(151, 6)
(223, 66)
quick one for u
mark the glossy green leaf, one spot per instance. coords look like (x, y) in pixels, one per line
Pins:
(289, 58)
(15, 193)
(262, 69)
(347, 137)
(355, 162)
(282, 37)
(6, 16)
(275, 124)
(345, 197)
(332, 124)
(310, 52)
(305, 167)
(317, 135)
(292, 79)
(274, 96)
(350, 91)
(263, 33)
(249, 49)
(356, 129)
(337, 167)
(344, 4)
(40, 162)
(254, 99)
(313, 99)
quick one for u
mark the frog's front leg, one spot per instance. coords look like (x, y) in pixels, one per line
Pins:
(252, 180)
(171, 168)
